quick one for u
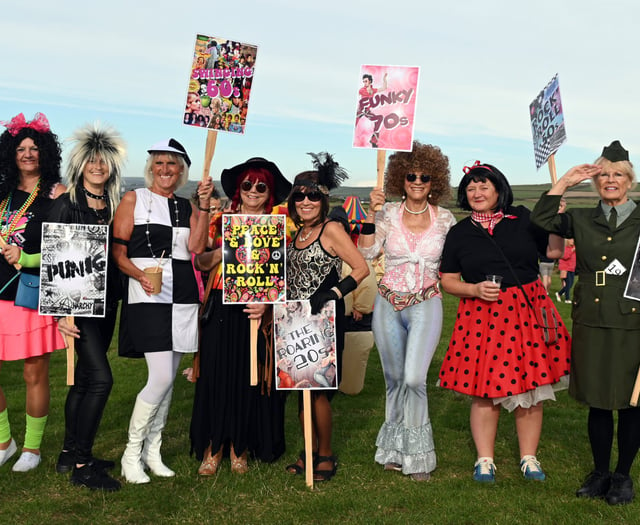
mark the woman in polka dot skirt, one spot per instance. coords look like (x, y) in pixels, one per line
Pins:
(497, 353)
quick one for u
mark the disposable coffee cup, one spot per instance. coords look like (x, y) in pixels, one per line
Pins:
(154, 274)
(495, 279)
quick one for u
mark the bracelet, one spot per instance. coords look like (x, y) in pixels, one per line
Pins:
(203, 209)
(337, 291)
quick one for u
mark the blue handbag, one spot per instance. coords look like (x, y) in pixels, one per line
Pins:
(28, 291)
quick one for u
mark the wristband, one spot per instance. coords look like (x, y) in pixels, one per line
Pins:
(29, 260)
(203, 209)
(348, 284)
(367, 228)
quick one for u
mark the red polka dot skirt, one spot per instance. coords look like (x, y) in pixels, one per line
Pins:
(497, 349)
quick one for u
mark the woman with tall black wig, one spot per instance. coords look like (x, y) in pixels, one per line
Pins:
(29, 179)
(94, 173)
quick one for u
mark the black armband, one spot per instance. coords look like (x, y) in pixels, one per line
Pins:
(117, 240)
(347, 285)
(367, 228)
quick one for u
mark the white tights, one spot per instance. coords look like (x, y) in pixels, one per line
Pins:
(162, 367)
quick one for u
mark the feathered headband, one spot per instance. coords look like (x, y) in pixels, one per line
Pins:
(39, 123)
(94, 140)
(330, 174)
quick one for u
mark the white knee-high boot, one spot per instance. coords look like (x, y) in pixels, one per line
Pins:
(151, 451)
(141, 419)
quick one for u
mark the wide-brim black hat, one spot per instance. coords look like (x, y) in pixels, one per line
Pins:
(229, 178)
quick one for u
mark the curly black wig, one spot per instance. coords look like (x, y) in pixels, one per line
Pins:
(50, 158)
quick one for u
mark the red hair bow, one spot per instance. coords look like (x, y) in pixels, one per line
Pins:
(39, 123)
(467, 169)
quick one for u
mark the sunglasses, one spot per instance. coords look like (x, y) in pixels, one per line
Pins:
(411, 177)
(313, 196)
(246, 185)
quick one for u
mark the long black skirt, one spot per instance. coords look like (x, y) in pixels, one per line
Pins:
(226, 408)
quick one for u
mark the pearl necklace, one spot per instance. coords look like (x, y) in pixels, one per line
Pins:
(175, 237)
(415, 212)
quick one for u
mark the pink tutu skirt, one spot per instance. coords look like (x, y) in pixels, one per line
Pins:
(24, 333)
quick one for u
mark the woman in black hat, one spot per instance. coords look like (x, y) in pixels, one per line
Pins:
(605, 353)
(155, 229)
(230, 415)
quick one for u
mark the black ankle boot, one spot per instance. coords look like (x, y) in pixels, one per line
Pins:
(94, 478)
(595, 486)
(621, 490)
(67, 460)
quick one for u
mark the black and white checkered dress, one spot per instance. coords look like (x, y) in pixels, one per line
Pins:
(169, 320)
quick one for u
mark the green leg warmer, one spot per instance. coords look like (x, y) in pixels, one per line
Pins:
(34, 432)
(5, 429)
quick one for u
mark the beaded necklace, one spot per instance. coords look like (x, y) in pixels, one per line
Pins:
(9, 226)
(148, 233)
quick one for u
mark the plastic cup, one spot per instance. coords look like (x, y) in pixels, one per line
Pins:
(154, 274)
(495, 279)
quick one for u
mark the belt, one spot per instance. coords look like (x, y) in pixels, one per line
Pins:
(600, 278)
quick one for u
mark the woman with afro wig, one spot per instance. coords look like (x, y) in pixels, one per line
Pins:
(407, 316)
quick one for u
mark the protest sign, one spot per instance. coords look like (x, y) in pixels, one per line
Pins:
(220, 84)
(73, 269)
(305, 347)
(253, 258)
(547, 124)
(385, 114)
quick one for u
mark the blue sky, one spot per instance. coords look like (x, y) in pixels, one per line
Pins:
(127, 64)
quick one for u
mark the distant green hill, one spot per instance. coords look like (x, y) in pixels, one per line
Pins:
(526, 194)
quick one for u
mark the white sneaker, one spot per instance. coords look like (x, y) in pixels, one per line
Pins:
(6, 454)
(558, 298)
(26, 462)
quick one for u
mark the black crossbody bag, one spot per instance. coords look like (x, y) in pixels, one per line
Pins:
(546, 318)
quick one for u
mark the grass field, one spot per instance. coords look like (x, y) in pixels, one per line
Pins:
(361, 492)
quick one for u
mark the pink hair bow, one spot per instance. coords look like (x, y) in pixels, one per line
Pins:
(39, 123)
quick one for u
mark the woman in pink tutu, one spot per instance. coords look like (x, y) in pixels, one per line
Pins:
(29, 179)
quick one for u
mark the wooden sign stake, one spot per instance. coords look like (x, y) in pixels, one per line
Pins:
(209, 150)
(253, 349)
(552, 168)
(636, 391)
(71, 347)
(308, 438)
(380, 169)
